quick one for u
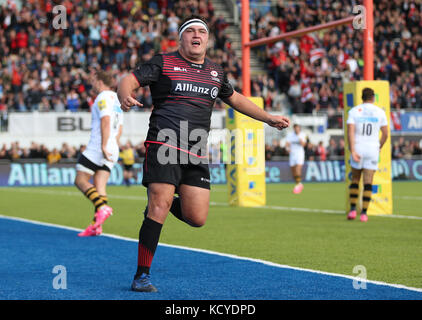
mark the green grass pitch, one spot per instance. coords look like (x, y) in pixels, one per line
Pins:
(306, 230)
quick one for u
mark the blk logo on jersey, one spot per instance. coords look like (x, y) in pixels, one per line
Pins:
(180, 69)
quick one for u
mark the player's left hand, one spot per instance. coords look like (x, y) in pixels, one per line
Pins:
(355, 156)
(107, 155)
(279, 122)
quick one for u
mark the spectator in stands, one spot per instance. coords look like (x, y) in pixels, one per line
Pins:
(53, 156)
(20, 104)
(81, 149)
(268, 152)
(277, 150)
(310, 151)
(15, 152)
(3, 152)
(35, 94)
(417, 148)
(73, 102)
(396, 152)
(340, 150)
(407, 149)
(321, 153)
(44, 105)
(58, 104)
(43, 151)
(332, 149)
(34, 151)
(67, 152)
(3, 114)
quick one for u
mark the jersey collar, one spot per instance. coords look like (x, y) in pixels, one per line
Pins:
(191, 64)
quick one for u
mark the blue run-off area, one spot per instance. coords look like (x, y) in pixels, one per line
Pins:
(103, 267)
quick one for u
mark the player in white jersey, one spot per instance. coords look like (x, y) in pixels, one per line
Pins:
(102, 151)
(364, 123)
(295, 145)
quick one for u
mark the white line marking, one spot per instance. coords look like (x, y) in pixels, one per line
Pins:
(408, 197)
(394, 216)
(74, 193)
(232, 256)
(138, 198)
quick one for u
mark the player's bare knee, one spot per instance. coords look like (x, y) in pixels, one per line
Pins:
(157, 214)
(158, 208)
(197, 222)
(195, 219)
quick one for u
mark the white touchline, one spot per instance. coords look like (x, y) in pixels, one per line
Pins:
(408, 197)
(269, 263)
(72, 193)
(136, 198)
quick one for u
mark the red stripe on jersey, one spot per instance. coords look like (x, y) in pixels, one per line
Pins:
(136, 79)
(177, 63)
(177, 76)
(189, 98)
(191, 79)
(192, 104)
(170, 146)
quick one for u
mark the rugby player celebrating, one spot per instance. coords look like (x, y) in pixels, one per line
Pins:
(184, 86)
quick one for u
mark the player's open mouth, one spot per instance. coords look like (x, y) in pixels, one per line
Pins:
(196, 43)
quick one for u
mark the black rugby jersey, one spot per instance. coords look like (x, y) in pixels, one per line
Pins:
(183, 95)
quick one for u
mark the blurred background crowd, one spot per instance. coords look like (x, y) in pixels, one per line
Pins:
(39, 151)
(401, 149)
(310, 70)
(47, 69)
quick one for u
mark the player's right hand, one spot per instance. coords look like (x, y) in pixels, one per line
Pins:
(107, 155)
(279, 122)
(355, 157)
(129, 102)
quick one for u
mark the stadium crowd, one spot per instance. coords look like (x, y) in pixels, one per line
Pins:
(313, 152)
(51, 155)
(401, 149)
(309, 71)
(47, 69)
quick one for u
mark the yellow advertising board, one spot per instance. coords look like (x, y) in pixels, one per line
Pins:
(246, 158)
(382, 199)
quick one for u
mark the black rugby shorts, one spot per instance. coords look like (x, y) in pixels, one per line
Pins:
(191, 174)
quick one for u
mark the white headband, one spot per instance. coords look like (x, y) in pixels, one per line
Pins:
(190, 23)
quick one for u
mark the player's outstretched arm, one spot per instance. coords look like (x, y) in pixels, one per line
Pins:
(124, 91)
(242, 104)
